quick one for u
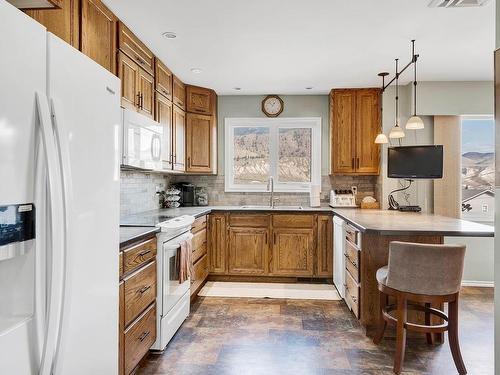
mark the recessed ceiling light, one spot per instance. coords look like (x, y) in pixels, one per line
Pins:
(237, 88)
(309, 88)
(196, 70)
(169, 35)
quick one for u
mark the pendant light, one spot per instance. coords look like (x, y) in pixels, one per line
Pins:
(381, 137)
(396, 131)
(414, 122)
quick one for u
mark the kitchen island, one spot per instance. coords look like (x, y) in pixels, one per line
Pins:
(368, 235)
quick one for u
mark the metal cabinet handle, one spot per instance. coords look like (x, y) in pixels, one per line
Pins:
(350, 260)
(138, 99)
(144, 289)
(140, 60)
(274, 238)
(144, 335)
(142, 101)
(142, 253)
(354, 299)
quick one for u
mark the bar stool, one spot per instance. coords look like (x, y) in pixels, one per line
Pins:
(422, 274)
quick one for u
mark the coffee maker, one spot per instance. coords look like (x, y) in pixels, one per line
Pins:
(187, 194)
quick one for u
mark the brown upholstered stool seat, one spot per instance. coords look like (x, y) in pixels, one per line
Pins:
(419, 276)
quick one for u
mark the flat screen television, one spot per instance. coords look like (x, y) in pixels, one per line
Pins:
(414, 162)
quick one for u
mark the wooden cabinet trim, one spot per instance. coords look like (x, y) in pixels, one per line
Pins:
(293, 220)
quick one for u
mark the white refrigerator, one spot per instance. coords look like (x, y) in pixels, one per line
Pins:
(59, 205)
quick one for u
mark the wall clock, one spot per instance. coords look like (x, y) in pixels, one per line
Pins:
(272, 105)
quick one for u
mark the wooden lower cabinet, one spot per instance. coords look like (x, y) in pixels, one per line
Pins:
(292, 253)
(199, 255)
(200, 274)
(217, 243)
(248, 251)
(137, 303)
(324, 247)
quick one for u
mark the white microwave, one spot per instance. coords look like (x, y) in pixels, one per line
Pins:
(144, 143)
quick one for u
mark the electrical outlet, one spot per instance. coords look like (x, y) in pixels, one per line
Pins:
(354, 189)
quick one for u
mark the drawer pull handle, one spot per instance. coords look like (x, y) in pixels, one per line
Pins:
(354, 299)
(144, 289)
(351, 261)
(142, 253)
(144, 335)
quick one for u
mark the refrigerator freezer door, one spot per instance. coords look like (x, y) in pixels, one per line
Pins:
(22, 73)
(85, 100)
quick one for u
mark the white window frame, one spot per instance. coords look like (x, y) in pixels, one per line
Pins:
(274, 124)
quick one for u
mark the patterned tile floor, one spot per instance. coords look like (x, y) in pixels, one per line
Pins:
(270, 336)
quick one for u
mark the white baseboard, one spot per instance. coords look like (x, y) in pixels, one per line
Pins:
(483, 284)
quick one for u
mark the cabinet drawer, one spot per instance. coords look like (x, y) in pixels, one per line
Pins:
(120, 264)
(199, 244)
(137, 255)
(199, 224)
(200, 274)
(293, 221)
(140, 291)
(252, 221)
(352, 293)
(352, 257)
(139, 337)
(135, 49)
(352, 234)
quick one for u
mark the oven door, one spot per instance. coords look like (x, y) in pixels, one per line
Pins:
(172, 289)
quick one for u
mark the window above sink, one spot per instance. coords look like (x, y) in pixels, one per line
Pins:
(287, 149)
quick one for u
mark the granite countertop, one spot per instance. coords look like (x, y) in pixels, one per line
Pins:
(129, 235)
(387, 222)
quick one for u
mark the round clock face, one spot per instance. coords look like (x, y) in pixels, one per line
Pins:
(272, 106)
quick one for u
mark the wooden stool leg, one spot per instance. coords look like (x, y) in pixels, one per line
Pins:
(453, 337)
(400, 333)
(381, 321)
(430, 336)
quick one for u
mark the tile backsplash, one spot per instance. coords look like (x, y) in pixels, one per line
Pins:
(138, 190)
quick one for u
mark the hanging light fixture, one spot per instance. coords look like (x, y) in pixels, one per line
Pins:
(396, 131)
(381, 137)
(414, 122)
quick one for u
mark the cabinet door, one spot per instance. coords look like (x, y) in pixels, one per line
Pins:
(179, 134)
(248, 251)
(98, 33)
(324, 247)
(163, 79)
(367, 128)
(146, 90)
(163, 114)
(63, 22)
(199, 143)
(128, 72)
(292, 253)
(179, 93)
(135, 49)
(217, 243)
(199, 100)
(343, 119)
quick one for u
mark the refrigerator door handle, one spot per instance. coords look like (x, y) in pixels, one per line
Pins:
(57, 237)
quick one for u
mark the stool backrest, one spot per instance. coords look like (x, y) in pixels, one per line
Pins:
(425, 268)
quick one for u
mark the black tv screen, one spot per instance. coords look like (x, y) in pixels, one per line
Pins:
(415, 162)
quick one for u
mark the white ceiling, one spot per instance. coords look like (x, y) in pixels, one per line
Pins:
(284, 46)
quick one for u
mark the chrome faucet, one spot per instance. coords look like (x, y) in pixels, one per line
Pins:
(270, 188)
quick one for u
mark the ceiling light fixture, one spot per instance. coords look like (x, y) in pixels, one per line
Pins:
(196, 70)
(169, 35)
(396, 131)
(414, 122)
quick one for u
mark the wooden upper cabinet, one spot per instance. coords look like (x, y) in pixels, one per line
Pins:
(324, 246)
(135, 49)
(343, 109)
(63, 22)
(355, 122)
(128, 72)
(98, 33)
(200, 100)
(292, 253)
(163, 79)
(217, 243)
(199, 143)
(163, 114)
(248, 251)
(179, 137)
(179, 93)
(368, 111)
(146, 86)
